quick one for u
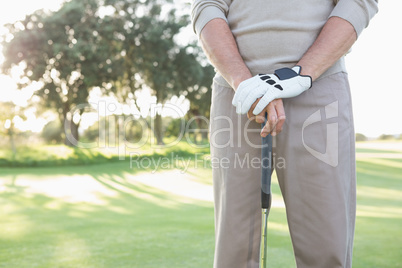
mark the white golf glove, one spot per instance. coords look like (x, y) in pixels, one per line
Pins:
(284, 83)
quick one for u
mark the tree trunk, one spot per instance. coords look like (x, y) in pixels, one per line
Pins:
(158, 129)
(72, 136)
(158, 125)
(70, 130)
(205, 135)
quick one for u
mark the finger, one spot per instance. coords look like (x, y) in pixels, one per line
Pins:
(272, 120)
(238, 94)
(265, 100)
(269, 128)
(242, 95)
(260, 118)
(250, 114)
(280, 111)
(254, 94)
(272, 116)
(242, 91)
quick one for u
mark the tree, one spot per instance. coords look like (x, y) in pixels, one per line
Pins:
(198, 91)
(117, 45)
(8, 113)
(52, 133)
(386, 137)
(360, 137)
(154, 53)
(69, 51)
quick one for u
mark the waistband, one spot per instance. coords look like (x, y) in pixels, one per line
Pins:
(338, 67)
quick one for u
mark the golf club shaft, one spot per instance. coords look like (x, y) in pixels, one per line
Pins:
(266, 171)
(263, 257)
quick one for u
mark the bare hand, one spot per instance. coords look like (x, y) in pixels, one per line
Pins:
(276, 117)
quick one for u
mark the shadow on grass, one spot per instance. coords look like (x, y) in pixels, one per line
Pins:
(375, 151)
(381, 173)
(132, 226)
(379, 208)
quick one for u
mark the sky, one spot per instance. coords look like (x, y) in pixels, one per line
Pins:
(373, 66)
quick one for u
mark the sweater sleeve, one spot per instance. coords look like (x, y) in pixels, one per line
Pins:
(203, 11)
(357, 12)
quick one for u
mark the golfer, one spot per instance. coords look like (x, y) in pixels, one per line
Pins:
(284, 58)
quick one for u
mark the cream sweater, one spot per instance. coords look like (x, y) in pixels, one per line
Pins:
(272, 34)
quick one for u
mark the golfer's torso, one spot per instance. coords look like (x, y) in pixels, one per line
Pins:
(276, 33)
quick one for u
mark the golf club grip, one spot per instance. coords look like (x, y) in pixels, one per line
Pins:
(266, 171)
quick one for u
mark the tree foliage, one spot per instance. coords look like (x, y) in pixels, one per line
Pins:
(155, 55)
(116, 45)
(69, 51)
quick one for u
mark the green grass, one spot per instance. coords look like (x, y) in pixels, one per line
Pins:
(132, 225)
(379, 222)
(61, 155)
(124, 223)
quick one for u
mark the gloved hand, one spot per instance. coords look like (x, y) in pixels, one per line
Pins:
(284, 83)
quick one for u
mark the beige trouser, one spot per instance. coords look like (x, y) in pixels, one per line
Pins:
(314, 159)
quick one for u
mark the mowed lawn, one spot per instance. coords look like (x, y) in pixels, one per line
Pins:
(103, 216)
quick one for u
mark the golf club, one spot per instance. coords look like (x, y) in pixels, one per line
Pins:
(266, 172)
